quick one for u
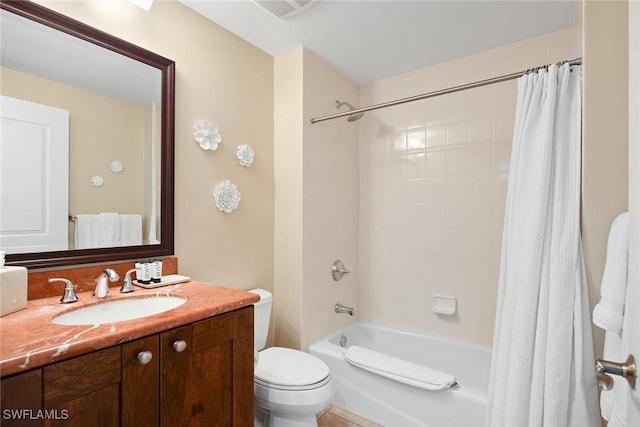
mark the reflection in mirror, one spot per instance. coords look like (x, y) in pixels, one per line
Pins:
(87, 143)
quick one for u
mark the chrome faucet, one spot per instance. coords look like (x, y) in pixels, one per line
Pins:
(102, 286)
(344, 309)
(69, 290)
(127, 284)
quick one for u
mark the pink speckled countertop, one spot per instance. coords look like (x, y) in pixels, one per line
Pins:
(28, 338)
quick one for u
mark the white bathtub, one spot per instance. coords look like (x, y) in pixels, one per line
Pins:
(394, 404)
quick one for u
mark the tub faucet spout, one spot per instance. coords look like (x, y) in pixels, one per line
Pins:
(344, 309)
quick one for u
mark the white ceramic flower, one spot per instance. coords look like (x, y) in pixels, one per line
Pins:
(245, 155)
(227, 196)
(97, 181)
(116, 166)
(207, 135)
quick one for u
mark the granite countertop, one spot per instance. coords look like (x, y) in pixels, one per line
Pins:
(28, 338)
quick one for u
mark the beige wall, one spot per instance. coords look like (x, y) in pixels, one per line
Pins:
(433, 188)
(316, 199)
(224, 79)
(288, 147)
(330, 204)
(605, 140)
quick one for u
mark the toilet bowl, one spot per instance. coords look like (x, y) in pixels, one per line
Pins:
(290, 386)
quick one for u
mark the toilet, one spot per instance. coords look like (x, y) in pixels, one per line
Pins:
(290, 386)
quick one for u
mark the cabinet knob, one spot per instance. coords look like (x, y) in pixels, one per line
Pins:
(180, 345)
(145, 357)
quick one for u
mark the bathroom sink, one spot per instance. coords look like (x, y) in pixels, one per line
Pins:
(119, 310)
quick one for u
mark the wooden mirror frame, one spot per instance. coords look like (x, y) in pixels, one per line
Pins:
(99, 38)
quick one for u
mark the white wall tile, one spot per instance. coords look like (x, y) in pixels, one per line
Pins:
(435, 190)
(436, 163)
(457, 161)
(436, 135)
(416, 166)
(481, 188)
(442, 186)
(416, 140)
(480, 159)
(434, 242)
(457, 188)
(456, 216)
(456, 243)
(458, 132)
(398, 142)
(480, 215)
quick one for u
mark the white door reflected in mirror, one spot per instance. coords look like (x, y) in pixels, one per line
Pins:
(34, 151)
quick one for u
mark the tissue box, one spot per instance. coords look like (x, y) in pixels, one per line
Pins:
(13, 289)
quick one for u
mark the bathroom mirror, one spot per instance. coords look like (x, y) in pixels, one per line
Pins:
(118, 63)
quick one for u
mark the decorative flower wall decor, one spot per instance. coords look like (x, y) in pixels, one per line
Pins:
(245, 155)
(97, 181)
(116, 166)
(207, 135)
(227, 196)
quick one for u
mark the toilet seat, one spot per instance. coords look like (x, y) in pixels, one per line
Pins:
(292, 387)
(288, 369)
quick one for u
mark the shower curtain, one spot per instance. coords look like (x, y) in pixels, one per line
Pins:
(542, 368)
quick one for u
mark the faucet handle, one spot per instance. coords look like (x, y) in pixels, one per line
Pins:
(127, 284)
(69, 292)
(338, 270)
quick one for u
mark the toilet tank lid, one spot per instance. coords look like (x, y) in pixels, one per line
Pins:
(265, 296)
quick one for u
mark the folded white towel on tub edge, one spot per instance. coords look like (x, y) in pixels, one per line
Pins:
(398, 369)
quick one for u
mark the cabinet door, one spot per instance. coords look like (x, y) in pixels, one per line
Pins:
(84, 391)
(176, 373)
(210, 382)
(140, 382)
(22, 399)
(243, 348)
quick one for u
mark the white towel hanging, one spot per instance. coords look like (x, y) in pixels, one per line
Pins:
(88, 232)
(110, 229)
(130, 229)
(608, 313)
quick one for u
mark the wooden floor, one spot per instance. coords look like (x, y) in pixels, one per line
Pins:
(337, 417)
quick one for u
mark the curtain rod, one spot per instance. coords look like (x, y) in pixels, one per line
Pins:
(500, 79)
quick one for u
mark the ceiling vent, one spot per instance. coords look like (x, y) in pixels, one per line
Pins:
(285, 8)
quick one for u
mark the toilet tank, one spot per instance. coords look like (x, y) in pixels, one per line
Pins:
(262, 314)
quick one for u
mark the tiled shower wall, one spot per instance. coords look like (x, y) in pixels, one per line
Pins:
(433, 180)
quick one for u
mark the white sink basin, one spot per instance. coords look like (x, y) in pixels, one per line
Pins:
(119, 310)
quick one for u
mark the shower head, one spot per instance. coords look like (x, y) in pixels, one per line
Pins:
(351, 117)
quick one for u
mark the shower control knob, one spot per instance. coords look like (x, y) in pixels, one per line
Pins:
(338, 270)
(144, 357)
(179, 346)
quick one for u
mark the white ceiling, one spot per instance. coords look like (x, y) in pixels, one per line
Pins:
(371, 40)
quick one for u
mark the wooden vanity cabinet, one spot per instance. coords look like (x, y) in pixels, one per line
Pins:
(198, 374)
(84, 391)
(140, 383)
(209, 381)
(21, 392)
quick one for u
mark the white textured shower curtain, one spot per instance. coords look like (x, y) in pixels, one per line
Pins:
(542, 370)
